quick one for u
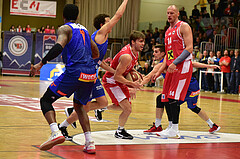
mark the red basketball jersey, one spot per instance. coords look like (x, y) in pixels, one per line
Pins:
(174, 43)
(125, 50)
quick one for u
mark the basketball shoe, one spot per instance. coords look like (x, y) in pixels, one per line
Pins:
(55, 138)
(98, 113)
(214, 129)
(65, 133)
(122, 134)
(68, 112)
(153, 129)
(169, 133)
(89, 147)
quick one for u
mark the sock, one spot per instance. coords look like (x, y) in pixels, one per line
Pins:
(158, 122)
(210, 123)
(88, 136)
(54, 127)
(175, 127)
(120, 128)
(64, 124)
(170, 124)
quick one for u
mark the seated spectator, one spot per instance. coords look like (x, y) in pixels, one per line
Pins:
(196, 52)
(19, 29)
(156, 34)
(235, 68)
(149, 54)
(52, 30)
(205, 14)
(47, 30)
(12, 29)
(204, 59)
(227, 11)
(42, 29)
(225, 68)
(182, 13)
(217, 76)
(209, 31)
(28, 29)
(24, 29)
(160, 39)
(39, 30)
(223, 30)
(195, 12)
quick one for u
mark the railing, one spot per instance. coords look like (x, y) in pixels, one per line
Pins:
(115, 48)
(220, 42)
(208, 46)
(232, 38)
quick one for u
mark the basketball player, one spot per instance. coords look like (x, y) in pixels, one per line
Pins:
(178, 47)
(77, 50)
(116, 84)
(104, 25)
(191, 99)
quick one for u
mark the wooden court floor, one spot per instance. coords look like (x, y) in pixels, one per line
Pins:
(23, 127)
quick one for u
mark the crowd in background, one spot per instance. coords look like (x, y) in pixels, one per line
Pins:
(28, 29)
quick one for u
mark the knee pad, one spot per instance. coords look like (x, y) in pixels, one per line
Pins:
(46, 101)
(159, 102)
(195, 109)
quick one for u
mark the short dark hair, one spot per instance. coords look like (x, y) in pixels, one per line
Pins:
(136, 35)
(99, 19)
(70, 12)
(161, 47)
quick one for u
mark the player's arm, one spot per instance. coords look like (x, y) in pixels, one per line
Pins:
(160, 70)
(148, 77)
(95, 51)
(107, 67)
(106, 28)
(64, 36)
(186, 33)
(124, 62)
(202, 65)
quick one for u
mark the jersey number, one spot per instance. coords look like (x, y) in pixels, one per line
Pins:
(169, 40)
(170, 55)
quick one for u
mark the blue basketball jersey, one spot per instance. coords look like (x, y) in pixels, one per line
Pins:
(77, 54)
(102, 49)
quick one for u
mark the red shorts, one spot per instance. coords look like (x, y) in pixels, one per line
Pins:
(117, 92)
(176, 84)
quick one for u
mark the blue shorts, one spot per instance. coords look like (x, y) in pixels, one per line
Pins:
(192, 94)
(97, 90)
(66, 85)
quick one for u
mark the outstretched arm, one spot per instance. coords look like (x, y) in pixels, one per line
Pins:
(202, 65)
(161, 69)
(106, 67)
(148, 77)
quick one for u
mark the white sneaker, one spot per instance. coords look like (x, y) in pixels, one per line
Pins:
(171, 133)
(89, 147)
(54, 139)
(163, 133)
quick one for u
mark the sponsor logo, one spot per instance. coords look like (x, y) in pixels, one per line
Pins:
(18, 45)
(87, 77)
(107, 138)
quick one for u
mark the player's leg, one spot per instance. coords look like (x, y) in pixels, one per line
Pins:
(157, 127)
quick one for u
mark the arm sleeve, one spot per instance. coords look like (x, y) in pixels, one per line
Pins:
(182, 57)
(53, 53)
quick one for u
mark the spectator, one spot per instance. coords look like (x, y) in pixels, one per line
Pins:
(24, 29)
(203, 5)
(19, 29)
(52, 30)
(217, 76)
(156, 34)
(182, 13)
(28, 29)
(233, 10)
(225, 68)
(12, 29)
(223, 30)
(235, 68)
(160, 39)
(209, 31)
(212, 6)
(149, 54)
(197, 43)
(39, 30)
(195, 12)
(42, 29)
(217, 29)
(210, 76)
(47, 30)
(144, 51)
(231, 53)
(138, 68)
(204, 59)
(205, 14)
(218, 12)
(227, 11)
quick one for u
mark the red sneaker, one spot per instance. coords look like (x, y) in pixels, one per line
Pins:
(214, 129)
(153, 129)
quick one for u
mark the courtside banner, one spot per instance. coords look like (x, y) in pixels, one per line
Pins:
(17, 52)
(44, 42)
(33, 8)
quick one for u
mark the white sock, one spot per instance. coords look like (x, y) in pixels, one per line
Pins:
(54, 127)
(170, 124)
(120, 128)
(210, 123)
(175, 127)
(64, 124)
(88, 136)
(158, 122)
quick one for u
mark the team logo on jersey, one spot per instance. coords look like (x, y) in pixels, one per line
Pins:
(18, 45)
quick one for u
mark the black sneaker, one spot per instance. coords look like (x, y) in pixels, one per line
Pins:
(65, 133)
(68, 112)
(98, 114)
(122, 134)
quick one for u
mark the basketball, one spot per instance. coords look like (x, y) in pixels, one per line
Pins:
(134, 76)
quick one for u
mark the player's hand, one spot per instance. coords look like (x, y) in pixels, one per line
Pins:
(214, 66)
(154, 77)
(171, 68)
(36, 68)
(132, 92)
(136, 84)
